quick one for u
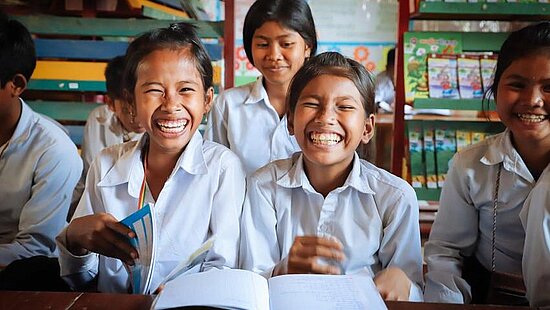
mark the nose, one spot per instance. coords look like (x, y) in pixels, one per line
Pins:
(274, 52)
(325, 116)
(534, 96)
(172, 102)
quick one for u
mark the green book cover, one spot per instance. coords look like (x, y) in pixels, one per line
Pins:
(415, 150)
(417, 47)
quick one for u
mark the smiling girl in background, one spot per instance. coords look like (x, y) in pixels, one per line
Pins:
(278, 36)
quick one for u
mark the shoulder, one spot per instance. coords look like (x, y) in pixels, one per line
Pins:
(470, 157)
(217, 153)
(272, 172)
(51, 138)
(236, 95)
(110, 155)
(384, 183)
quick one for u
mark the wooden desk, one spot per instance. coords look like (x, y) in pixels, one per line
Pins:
(94, 301)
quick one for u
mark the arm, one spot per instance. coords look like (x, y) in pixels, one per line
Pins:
(536, 252)
(90, 233)
(216, 128)
(400, 252)
(226, 213)
(259, 245)
(43, 215)
(453, 235)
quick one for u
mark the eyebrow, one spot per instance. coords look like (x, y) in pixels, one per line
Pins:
(317, 97)
(264, 37)
(523, 78)
(160, 84)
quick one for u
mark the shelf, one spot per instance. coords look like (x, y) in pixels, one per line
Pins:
(482, 11)
(67, 113)
(428, 194)
(453, 104)
(116, 27)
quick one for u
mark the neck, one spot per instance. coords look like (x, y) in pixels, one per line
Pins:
(9, 120)
(536, 156)
(277, 96)
(158, 168)
(326, 179)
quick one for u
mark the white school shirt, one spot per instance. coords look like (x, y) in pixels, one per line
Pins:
(39, 168)
(535, 218)
(102, 129)
(464, 222)
(202, 197)
(374, 214)
(243, 119)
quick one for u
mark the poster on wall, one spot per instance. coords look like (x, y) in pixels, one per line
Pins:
(364, 30)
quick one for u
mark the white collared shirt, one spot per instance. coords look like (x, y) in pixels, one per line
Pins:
(464, 222)
(535, 217)
(244, 120)
(39, 168)
(202, 197)
(102, 129)
(374, 214)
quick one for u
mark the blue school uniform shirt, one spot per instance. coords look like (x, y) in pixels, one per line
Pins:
(243, 119)
(39, 168)
(202, 197)
(464, 222)
(374, 214)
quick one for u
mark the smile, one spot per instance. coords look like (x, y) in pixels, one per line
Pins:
(172, 126)
(532, 118)
(325, 138)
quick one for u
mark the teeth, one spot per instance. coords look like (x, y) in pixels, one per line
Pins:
(172, 126)
(532, 118)
(325, 138)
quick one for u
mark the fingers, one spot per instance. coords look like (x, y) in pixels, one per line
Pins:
(312, 254)
(393, 284)
(101, 233)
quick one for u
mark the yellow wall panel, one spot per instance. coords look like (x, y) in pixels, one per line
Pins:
(70, 70)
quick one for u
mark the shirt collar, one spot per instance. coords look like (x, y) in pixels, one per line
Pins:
(502, 151)
(296, 176)
(129, 167)
(257, 93)
(24, 124)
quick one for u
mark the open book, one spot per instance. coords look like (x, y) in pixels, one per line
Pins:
(142, 223)
(241, 289)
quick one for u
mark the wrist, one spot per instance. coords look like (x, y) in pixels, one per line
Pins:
(72, 246)
(281, 268)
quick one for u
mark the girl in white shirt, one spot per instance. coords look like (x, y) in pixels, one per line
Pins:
(278, 36)
(506, 166)
(325, 210)
(196, 187)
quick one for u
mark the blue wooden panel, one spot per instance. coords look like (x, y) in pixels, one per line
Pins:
(79, 49)
(96, 49)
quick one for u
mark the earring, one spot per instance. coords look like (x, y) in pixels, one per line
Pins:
(132, 117)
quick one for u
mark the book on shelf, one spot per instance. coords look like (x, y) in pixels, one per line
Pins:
(142, 223)
(242, 289)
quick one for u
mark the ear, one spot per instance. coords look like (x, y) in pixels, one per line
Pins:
(368, 131)
(110, 103)
(307, 52)
(208, 99)
(290, 122)
(18, 84)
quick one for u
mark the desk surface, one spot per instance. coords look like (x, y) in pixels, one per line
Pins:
(91, 301)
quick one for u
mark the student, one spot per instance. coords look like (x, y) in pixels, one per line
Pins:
(325, 204)
(384, 90)
(535, 217)
(278, 36)
(197, 187)
(488, 182)
(39, 164)
(108, 124)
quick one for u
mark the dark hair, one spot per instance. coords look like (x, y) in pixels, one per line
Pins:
(113, 77)
(390, 58)
(533, 39)
(17, 54)
(292, 14)
(176, 36)
(333, 63)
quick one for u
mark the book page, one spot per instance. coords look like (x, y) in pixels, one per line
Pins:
(227, 288)
(321, 292)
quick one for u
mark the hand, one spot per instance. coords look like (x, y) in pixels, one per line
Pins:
(393, 284)
(306, 252)
(101, 233)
